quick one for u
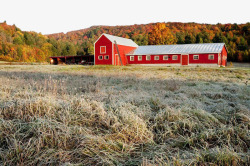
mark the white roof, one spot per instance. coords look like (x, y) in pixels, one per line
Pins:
(178, 49)
(121, 40)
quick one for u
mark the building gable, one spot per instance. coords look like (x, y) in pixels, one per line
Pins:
(119, 40)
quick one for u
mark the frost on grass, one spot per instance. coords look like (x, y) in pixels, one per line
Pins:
(63, 115)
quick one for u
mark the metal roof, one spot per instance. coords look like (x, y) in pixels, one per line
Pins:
(121, 40)
(178, 49)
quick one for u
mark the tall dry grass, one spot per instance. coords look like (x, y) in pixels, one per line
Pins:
(103, 115)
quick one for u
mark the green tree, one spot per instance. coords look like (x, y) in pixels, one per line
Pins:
(188, 39)
(218, 38)
(199, 38)
(29, 39)
(180, 38)
(18, 40)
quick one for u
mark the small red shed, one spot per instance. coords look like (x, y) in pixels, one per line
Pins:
(106, 52)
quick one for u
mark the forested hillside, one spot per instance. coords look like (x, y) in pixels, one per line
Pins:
(236, 36)
(16, 45)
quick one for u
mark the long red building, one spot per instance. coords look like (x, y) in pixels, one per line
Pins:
(113, 50)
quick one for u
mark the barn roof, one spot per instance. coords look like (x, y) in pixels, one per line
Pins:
(121, 40)
(178, 49)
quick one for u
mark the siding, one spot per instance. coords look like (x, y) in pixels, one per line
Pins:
(123, 50)
(152, 61)
(103, 41)
(224, 56)
(203, 59)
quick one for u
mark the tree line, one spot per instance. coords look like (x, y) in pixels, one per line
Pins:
(17, 45)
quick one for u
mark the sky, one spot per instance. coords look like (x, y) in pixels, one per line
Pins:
(55, 16)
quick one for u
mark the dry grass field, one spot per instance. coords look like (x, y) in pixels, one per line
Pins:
(104, 115)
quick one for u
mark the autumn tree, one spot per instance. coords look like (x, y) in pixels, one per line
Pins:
(161, 35)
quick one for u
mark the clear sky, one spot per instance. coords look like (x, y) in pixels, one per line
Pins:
(54, 16)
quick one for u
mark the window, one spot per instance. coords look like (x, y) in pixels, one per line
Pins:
(132, 58)
(165, 57)
(195, 57)
(175, 57)
(139, 58)
(103, 50)
(100, 57)
(106, 57)
(156, 58)
(148, 57)
(211, 57)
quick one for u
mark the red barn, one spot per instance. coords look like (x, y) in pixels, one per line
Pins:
(106, 50)
(207, 54)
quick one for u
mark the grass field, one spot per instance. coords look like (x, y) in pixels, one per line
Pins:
(104, 115)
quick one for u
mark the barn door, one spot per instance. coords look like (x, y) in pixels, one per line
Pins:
(117, 60)
(184, 59)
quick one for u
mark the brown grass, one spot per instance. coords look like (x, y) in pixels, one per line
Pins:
(104, 115)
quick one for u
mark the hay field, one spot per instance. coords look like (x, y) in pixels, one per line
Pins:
(104, 115)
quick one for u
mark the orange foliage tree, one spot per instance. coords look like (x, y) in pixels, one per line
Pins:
(160, 35)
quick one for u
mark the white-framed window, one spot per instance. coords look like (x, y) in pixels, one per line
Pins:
(100, 57)
(195, 57)
(132, 58)
(148, 57)
(103, 50)
(140, 58)
(106, 57)
(211, 56)
(165, 57)
(175, 57)
(156, 58)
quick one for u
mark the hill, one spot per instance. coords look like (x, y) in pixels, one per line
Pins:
(18, 45)
(236, 36)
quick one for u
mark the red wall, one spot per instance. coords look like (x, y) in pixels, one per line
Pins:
(123, 50)
(103, 41)
(224, 56)
(152, 61)
(203, 58)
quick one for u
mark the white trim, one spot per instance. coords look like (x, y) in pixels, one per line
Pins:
(177, 53)
(149, 57)
(131, 57)
(197, 56)
(218, 58)
(209, 55)
(98, 38)
(181, 59)
(162, 64)
(176, 56)
(178, 64)
(99, 57)
(156, 56)
(94, 54)
(106, 56)
(112, 53)
(165, 56)
(101, 50)
(140, 57)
